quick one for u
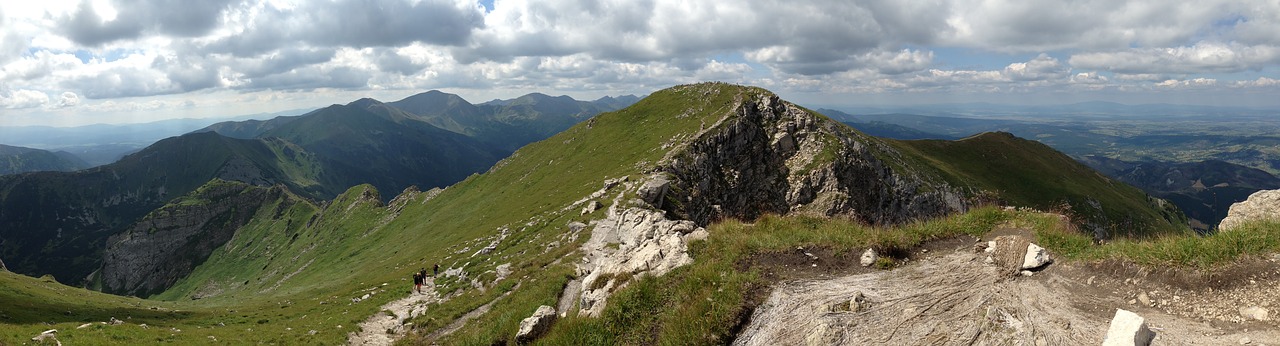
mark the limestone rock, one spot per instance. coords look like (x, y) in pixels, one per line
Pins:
(654, 190)
(1261, 205)
(869, 257)
(533, 326)
(1255, 313)
(1128, 329)
(47, 335)
(591, 207)
(2, 267)
(1036, 257)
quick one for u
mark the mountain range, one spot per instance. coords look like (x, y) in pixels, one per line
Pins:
(58, 222)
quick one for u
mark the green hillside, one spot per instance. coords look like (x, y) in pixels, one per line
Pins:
(1027, 173)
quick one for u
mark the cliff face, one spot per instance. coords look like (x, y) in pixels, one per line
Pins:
(771, 156)
(169, 243)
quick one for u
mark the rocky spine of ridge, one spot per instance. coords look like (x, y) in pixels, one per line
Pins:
(166, 245)
(763, 156)
(1261, 205)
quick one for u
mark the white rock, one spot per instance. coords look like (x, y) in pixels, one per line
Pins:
(1261, 205)
(1255, 313)
(1036, 257)
(535, 325)
(991, 246)
(1128, 329)
(869, 257)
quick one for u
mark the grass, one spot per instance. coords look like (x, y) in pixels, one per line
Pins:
(1169, 250)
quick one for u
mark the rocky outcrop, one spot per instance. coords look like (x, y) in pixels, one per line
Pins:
(764, 155)
(170, 242)
(2, 267)
(771, 156)
(533, 326)
(1261, 205)
(1128, 329)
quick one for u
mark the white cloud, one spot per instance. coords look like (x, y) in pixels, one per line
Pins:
(22, 98)
(1187, 83)
(1203, 57)
(1261, 82)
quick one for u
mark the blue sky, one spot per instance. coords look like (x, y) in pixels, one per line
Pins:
(74, 62)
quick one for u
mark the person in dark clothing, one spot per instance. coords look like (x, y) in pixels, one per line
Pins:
(435, 271)
(418, 278)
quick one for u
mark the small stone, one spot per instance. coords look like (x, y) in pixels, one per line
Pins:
(869, 257)
(1036, 257)
(1132, 302)
(1144, 299)
(1090, 281)
(1027, 273)
(312, 332)
(1245, 341)
(1255, 313)
(83, 326)
(1128, 329)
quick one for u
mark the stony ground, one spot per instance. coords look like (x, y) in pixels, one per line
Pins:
(384, 329)
(947, 295)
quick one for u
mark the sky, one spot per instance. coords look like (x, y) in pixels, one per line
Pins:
(76, 62)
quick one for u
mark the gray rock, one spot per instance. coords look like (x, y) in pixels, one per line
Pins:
(654, 190)
(1261, 205)
(2, 267)
(533, 326)
(869, 257)
(591, 207)
(1128, 329)
(1255, 313)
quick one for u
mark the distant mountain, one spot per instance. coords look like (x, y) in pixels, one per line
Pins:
(15, 160)
(506, 124)
(246, 129)
(1204, 190)
(57, 222)
(101, 144)
(880, 128)
(367, 141)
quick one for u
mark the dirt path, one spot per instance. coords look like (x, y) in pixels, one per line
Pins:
(953, 298)
(382, 329)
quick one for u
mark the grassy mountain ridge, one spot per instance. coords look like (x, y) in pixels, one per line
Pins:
(1028, 173)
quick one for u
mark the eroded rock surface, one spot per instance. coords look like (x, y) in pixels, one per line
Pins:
(1261, 205)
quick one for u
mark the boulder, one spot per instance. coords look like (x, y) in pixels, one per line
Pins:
(869, 257)
(533, 326)
(1261, 205)
(1036, 257)
(1255, 313)
(47, 335)
(654, 190)
(1128, 329)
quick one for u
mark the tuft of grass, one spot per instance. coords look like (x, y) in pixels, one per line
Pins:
(1173, 249)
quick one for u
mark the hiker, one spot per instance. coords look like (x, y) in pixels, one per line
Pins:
(418, 278)
(435, 271)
